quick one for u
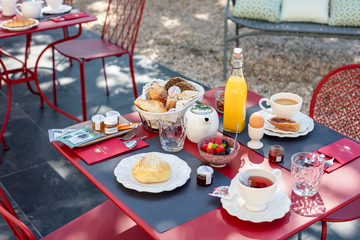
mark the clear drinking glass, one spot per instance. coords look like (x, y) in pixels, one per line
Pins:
(172, 132)
(306, 172)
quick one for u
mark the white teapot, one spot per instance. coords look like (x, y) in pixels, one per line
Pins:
(202, 121)
(30, 9)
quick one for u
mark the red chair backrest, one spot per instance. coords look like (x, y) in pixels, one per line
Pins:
(336, 101)
(20, 230)
(122, 22)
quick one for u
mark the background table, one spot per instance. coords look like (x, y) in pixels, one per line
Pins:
(218, 224)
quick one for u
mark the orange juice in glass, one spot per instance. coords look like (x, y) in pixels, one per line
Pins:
(235, 96)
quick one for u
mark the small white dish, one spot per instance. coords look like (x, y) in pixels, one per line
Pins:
(19, 28)
(180, 174)
(62, 9)
(277, 207)
(306, 126)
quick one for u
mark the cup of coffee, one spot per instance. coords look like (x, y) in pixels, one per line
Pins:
(257, 186)
(286, 105)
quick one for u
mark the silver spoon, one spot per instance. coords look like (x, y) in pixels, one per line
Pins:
(132, 143)
(237, 131)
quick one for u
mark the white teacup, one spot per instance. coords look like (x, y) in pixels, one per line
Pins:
(286, 105)
(54, 4)
(8, 8)
(256, 198)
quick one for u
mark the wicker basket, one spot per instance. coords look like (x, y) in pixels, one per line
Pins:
(150, 120)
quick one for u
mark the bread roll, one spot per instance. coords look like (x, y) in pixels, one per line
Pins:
(150, 105)
(173, 81)
(285, 124)
(158, 93)
(174, 98)
(190, 93)
(151, 169)
(185, 86)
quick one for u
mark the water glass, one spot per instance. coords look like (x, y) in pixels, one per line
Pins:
(306, 172)
(172, 132)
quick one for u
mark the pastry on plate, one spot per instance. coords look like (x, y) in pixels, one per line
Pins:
(19, 22)
(150, 105)
(151, 169)
(286, 124)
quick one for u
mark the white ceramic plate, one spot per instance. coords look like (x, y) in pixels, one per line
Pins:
(306, 126)
(62, 9)
(19, 28)
(277, 207)
(180, 174)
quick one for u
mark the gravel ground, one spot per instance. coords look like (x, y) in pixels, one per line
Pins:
(187, 37)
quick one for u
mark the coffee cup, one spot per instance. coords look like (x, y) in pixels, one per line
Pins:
(257, 186)
(286, 105)
(54, 4)
(8, 8)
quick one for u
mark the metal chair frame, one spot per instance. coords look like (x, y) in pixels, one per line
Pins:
(118, 37)
(323, 108)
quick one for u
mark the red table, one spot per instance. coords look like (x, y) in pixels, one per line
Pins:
(336, 190)
(43, 26)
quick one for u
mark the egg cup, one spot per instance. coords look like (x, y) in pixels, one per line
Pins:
(255, 134)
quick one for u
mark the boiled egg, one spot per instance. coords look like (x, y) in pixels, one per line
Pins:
(256, 120)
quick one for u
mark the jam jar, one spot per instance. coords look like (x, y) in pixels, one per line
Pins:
(276, 153)
(98, 122)
(111, 125)
(205, 175)
(114, 114)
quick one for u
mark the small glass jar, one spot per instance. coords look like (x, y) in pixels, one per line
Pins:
(219, 100)
(276, 154)
(111, 125)
(205, 175)
(114, 114)
(98, 122)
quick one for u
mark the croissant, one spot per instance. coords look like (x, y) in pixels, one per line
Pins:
(150, 105)
(158, 93)
(285, 124)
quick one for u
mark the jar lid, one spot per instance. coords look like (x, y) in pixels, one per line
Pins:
(111, 120)
(98, 118)
(112, 113)
(196, 110)
(205, 170)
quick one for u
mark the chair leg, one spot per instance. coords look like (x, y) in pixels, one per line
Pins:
(324, 230)
(107, 89)
(82, 84)
(54, 76)
(7, 115)
(237, 33)
(133, 76)
(225, 50)
(66, 35)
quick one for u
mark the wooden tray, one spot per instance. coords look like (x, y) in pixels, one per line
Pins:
(100, 139)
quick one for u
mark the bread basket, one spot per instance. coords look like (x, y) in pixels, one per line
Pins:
(150, 120)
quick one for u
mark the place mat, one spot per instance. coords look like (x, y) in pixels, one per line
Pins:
(314, 140)
(102, 151)
(164, 210)
(344, 151)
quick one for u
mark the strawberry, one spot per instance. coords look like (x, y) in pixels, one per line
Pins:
(211, 151)
(218, 141)
(220, 149)
(204, 147)
(209, 146)
(213, 140)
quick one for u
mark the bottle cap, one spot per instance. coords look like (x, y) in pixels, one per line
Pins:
(237, 50)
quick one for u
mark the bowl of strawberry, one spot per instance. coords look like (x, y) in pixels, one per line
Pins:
(218, 151)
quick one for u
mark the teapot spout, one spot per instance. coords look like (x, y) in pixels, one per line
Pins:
(206, 119)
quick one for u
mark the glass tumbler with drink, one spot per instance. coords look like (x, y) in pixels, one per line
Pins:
(172, 132)
(306, 173)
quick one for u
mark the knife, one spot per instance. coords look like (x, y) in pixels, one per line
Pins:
(137, 139)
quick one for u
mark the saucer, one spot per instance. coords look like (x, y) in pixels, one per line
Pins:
(62, 9)
(277, 207)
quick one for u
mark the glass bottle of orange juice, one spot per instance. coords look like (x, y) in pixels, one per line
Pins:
(235, 95)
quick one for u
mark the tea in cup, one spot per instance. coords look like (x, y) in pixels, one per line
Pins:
(257, 186)
(54, 4)
(286, 105)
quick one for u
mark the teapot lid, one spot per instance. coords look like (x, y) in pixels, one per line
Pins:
(200, 108)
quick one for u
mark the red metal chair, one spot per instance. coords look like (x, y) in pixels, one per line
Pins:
(336, 104)
(105, 221)
(118, 37)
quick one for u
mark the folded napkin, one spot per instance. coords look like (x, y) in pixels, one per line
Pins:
(69, 16)
(104, 150)
(343, 150)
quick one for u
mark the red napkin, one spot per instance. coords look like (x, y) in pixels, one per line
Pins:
(101, 151)
(69, 16)
(343, 150)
